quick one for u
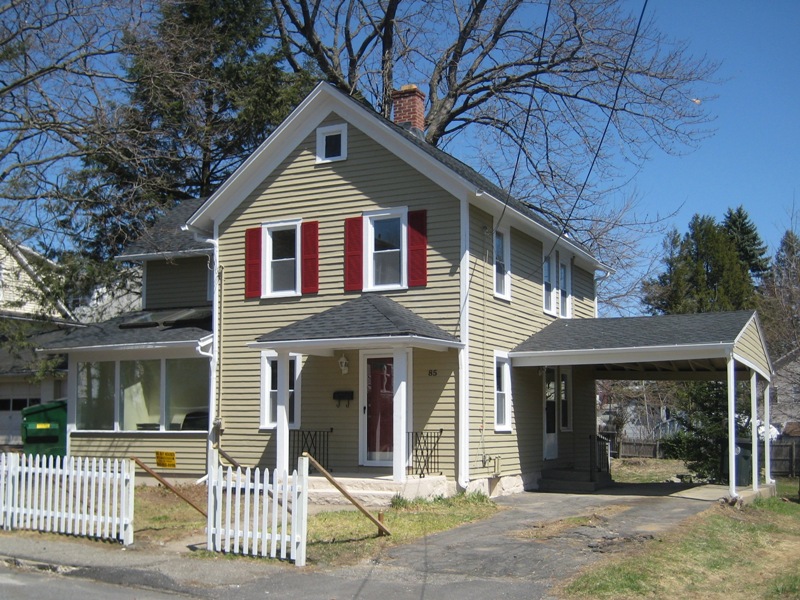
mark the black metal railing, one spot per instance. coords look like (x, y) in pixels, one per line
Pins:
(424, 449)
(316, 443)
(599, 454)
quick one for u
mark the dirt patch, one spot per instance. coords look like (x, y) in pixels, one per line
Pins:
(546, 530)
(162, 519)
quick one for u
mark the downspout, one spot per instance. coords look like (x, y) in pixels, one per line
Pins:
(463, 353)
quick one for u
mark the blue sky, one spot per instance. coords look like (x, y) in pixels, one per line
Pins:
(753, 158)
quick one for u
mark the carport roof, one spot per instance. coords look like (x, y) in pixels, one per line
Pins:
(665, 346)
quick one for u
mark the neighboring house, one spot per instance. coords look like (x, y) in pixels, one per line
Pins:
(383, 306)
(786, 389)
(26, 322)
(139, 382)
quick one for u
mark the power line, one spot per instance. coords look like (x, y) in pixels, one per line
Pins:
(603, 137)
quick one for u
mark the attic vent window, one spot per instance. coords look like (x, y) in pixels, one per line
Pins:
(332, 143)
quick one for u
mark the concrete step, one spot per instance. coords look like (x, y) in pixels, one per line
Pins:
(374, 491)
(563, 486)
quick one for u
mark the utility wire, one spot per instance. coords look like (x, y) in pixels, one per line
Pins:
(603, 137)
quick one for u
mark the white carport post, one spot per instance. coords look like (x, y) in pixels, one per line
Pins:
(731, 428)
(282, 421)
(400, 377)
(754, 425)
(767, 429)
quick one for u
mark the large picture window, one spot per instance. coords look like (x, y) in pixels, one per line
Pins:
(143, 395)
(269, 391)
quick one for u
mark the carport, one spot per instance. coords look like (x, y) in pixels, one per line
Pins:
(722, 346)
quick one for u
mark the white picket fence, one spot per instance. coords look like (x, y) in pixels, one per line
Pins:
(87, 497)
(248, 514)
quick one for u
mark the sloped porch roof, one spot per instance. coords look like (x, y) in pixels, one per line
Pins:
(369, 321)
(693, 346)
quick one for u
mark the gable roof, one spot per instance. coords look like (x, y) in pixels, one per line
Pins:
(167, 238)
(367, 320)
(448, 172)
(698, 343)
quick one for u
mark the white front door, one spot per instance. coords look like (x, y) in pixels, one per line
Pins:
(550, 433)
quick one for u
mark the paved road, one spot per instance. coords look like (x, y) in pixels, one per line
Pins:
(502, 557)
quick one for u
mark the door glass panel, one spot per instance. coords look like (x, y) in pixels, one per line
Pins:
(380, 409)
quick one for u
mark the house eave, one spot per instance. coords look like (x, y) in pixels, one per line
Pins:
(199, 343)
(326, 347)
(164, 255)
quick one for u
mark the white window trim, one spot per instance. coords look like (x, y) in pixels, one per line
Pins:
(565, 286)
(322, 134)
(506, 233)
(562, 372)
(266, 262)
(501, 358)
(369, 248)
(266, 379)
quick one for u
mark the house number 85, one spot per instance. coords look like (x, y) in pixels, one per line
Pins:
(432, 373)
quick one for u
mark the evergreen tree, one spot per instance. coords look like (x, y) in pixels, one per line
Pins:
(752, 250)
(779, 298)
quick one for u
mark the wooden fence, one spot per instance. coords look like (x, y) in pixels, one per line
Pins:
(76, 496)
(248, 514)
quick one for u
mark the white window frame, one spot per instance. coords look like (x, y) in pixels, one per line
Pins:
(369, 248)
(564, 288)
(265, 420)
(562, 396)
(505, 232)
(266, 271)
(322, 134)
(548, 303)
(501, 360)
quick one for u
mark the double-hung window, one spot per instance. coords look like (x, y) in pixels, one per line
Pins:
(502, 392)
(386, 249)
(557, 286)
(502, 263)
(269, 391)
(282, 265)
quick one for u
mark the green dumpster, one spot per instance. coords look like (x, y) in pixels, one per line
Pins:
(44, 429)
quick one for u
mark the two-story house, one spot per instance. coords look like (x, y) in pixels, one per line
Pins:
(370, 289)
(139, 383)
(354, 292)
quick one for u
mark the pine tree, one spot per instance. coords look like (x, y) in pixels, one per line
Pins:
(752, 250)
(779, 298)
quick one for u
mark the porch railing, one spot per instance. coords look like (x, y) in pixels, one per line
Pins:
(424, 449)
(316, 443)
(599, 454)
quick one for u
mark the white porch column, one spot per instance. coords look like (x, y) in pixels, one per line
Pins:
(282, 423)
(767, 452)
(731, 428)
(754, 425)
(400, 377)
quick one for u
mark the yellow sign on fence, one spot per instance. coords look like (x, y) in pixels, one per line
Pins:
(165, 460)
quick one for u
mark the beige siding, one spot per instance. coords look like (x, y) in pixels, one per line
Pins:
(583, 304)
(176, 283)
(190, 449)
(751, 347)
(369, 179)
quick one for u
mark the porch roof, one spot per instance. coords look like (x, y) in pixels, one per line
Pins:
(658, 347)
(138, 330)
(369, 321)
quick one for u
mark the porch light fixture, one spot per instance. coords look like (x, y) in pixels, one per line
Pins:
(344, 364)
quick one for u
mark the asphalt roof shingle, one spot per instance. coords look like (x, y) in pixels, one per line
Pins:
(367, 316)
(166, 235)
(641, 332)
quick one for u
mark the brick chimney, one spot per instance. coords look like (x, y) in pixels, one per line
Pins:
(409, 107)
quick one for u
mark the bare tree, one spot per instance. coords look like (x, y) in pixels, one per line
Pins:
(57, 64)
(534, 80)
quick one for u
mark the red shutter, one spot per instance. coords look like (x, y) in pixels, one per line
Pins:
(353, 254)
(309, 252)
(417, 248)
(252, 263)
